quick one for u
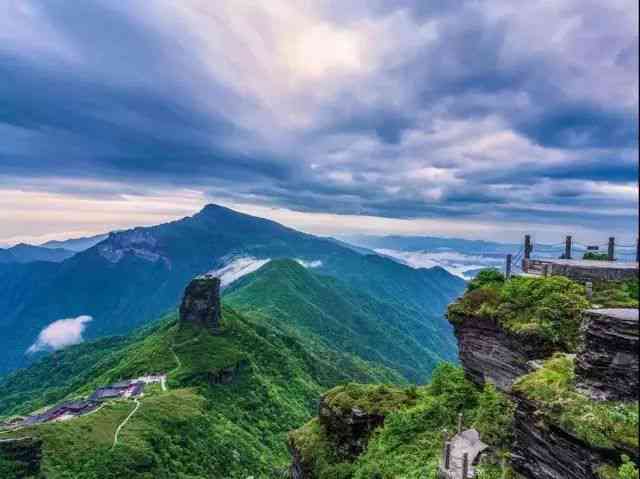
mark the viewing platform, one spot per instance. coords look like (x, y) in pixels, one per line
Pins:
(581, 269)
(595, 266)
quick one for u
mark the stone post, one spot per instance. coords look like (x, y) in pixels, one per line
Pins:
(588, 286)
(447, 456)
(508, 267)
(567, 247)
(546, 269)
(611, 249)
(527, 246)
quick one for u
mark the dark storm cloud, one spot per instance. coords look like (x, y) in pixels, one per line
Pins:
(457, 108)
(582, 126)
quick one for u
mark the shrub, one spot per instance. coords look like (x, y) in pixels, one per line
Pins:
(486, 277)
(595, 256)
(547, 307)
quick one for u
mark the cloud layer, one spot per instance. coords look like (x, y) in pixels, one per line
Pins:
(60, 334)
(237, 268)
(498, 112)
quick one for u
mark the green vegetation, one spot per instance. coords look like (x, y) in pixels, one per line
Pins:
(200, 428)
(486, 277)
(332, 314)
(409, 444)
(595, 256)
(548, 309)
(606, 424)
(627, 470)
(232, 397)
(370, 398)
(616, 294)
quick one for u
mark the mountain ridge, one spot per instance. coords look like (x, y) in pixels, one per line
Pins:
(136, 275)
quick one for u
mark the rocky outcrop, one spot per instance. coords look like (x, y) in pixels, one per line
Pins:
(488, 353)
(201, 303)
(226, 375)
(24, 455)
(348, 429)
(607, 362)
(545, 451)
(136, 242)
(299, 469)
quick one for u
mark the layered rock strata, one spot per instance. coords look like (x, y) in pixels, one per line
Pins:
(543, 450)
(607, 362)
(489, 353)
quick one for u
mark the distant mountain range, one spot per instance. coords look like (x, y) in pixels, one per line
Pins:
(26, 253)
(431, 243)
(133, 276)
(76, 244)
(51, 251)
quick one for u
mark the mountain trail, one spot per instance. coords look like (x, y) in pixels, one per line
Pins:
(135, 409)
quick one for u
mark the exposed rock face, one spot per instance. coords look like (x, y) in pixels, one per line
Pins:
(299, 469)
(545, 451)
(201, 303)
(607, 363)
(488, 353)
(25, 453)
(136, 242)
(226, 375)
(350, 430)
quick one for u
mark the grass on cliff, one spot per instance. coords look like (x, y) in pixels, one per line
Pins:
(370, 398)
(548, 309)
(409, 444)
(616, 294)
(606, 424)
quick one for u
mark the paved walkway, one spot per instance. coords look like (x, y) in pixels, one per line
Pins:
(464, 442)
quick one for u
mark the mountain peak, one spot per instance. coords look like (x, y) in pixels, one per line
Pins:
(201, 303)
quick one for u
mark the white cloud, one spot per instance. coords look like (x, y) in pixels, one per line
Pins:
(454, 262)
(310, 264)
(60, 334)
(237, 268)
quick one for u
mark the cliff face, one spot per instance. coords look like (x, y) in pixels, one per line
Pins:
(24, 454)
(201, 303)
(300, 468)
(544, 451)
(607, 362)
(349, 429)
(488, 353)
(346, 430)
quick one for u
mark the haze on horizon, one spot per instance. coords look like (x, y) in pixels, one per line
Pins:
(472, 119)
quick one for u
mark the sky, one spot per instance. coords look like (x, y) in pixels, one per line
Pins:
(476, 119)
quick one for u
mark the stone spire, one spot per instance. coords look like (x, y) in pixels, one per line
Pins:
(201, 303)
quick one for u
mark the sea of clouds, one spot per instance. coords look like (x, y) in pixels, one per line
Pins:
(460, 264)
